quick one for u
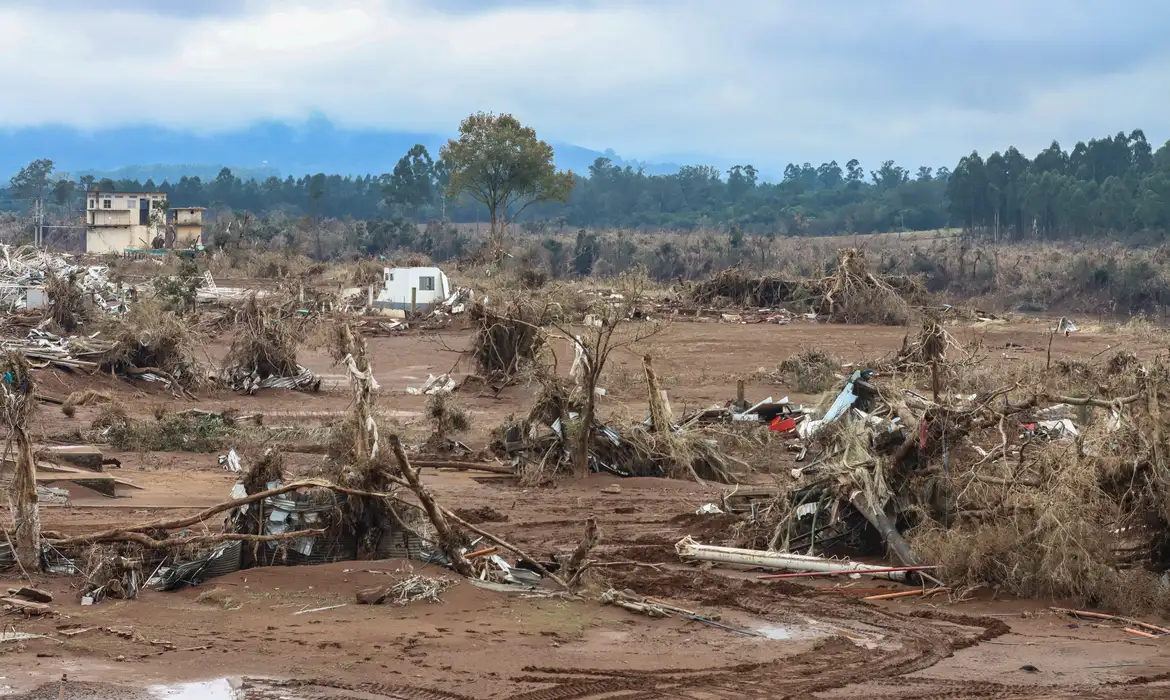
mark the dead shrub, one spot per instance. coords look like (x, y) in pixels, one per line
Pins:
(69, 306)
(812, 371)
(151, 339)
(507, 342)
(445, 418)
(267, 339)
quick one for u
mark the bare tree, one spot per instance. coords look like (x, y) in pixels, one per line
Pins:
(610, 326)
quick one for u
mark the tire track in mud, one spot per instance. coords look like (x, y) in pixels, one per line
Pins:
(908, 643)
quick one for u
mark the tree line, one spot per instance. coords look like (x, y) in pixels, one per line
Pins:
(497, 172)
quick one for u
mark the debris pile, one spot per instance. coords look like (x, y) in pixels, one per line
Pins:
(1019, 487)
(413, 587)
(27, 272)
(539, 446)
(852, 294)
(264, 352)
(506, 342)
(153, 344)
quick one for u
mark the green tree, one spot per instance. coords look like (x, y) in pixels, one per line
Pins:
(412, 186)
(63, 192)
(32, 180)
(501, 164)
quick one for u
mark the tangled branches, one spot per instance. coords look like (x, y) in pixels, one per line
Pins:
(851, 294)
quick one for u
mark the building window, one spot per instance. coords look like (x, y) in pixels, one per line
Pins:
(107, 204)
(426, 284)
(93, 204)
(131, 203)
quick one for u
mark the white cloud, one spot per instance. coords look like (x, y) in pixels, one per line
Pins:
(760, 80)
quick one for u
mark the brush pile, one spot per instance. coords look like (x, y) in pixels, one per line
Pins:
(69, 306)
(264, 352)
(539, 445)
(851, 294)
(506, 342)
(149, 340)
(1028, 486)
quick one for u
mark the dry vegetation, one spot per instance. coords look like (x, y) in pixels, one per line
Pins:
(971, 490)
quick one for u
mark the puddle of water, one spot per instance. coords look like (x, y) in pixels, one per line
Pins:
(774, 632)
(219, 689)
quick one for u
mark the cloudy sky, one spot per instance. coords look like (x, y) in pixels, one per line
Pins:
(765, 81)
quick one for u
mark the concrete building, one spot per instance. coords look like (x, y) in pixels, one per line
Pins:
(417, 287)
(115, 221)
(188, 226)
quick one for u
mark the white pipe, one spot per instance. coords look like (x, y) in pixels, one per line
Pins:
(687, 548)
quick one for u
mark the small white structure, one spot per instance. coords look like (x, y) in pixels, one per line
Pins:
(423, 287)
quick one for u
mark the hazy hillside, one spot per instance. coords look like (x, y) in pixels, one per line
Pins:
(150, 152)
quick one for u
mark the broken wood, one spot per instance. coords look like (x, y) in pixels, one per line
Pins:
(905, 594)
(493, 468)
(447, 539)
(151, 543)
(34, 594)
(1111, 618)
(658, 420)
(576, 565)
(206, 513)
(26, 606)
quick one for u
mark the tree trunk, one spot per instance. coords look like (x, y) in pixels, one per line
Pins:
(26, 535)
(585, 435)
(447, 538)
(658, 419)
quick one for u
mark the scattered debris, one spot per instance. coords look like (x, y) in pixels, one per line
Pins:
(412, 588)
(322, 609)
(34, 594)
(442, 384)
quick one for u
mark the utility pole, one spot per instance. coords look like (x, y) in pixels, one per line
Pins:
(38, 221)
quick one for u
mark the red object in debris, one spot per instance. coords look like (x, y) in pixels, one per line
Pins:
(781, 424)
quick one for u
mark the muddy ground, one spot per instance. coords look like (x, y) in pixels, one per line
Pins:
(819, 640)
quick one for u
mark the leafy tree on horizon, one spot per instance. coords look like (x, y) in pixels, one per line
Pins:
(501, 164)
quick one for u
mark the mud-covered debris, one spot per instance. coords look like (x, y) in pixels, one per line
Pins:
(410, 589)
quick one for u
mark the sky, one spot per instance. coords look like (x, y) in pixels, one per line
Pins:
(768, 82)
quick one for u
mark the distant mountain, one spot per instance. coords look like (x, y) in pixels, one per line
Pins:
(261, 150)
